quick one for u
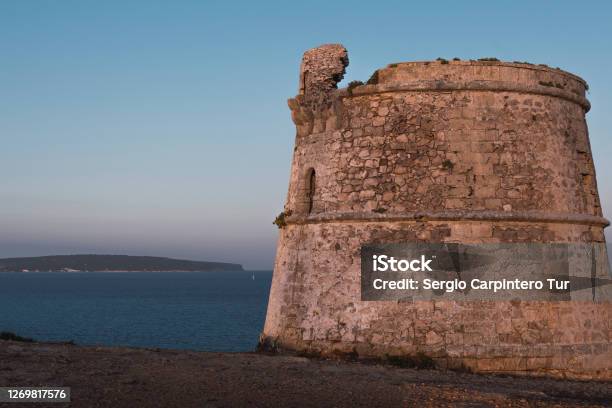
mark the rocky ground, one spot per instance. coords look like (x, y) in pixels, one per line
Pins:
(126, 377)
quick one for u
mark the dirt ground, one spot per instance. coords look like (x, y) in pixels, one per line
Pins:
(126, 377)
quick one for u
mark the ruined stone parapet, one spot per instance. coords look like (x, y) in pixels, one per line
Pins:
(441, 151)
(321, 70)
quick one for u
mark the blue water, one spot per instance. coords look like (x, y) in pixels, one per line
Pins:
(214, 311)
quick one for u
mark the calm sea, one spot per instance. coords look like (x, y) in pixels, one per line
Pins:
(214, 311)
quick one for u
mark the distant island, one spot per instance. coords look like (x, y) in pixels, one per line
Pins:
(108, 263)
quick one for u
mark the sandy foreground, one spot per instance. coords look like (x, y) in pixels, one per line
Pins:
(127, 377)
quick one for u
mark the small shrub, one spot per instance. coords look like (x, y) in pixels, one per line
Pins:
(373, 79)
(488, 59)
(280, 220)
(12, 336)
(447, 164)
(442, 60)
(456, 59)
(353, 84)
(267, 345)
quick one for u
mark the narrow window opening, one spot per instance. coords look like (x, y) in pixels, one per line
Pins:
(310, 190)
(303, 90)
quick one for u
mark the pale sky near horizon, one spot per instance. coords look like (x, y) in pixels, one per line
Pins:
(161, 128)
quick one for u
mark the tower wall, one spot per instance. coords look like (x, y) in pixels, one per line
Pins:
(469, 152)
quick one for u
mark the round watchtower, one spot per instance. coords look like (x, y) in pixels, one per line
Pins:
(444, 151)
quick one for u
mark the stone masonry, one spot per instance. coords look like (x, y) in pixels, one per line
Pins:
(442, 151)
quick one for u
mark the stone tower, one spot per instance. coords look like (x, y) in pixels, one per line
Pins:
(443, 151)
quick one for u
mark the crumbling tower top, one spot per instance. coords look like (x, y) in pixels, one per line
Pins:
(321, 70)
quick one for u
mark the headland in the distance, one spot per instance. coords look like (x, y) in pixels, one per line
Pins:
(110, 263)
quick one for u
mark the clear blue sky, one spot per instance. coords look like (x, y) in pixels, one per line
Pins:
(161, 128)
